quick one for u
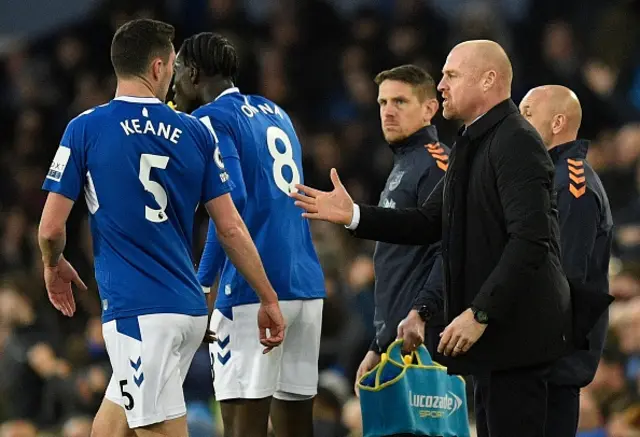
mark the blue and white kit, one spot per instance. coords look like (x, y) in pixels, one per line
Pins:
(144, 169)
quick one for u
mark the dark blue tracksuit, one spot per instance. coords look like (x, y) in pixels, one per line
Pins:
(585, 238)
(403, 272)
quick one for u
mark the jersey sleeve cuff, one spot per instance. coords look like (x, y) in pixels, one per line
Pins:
(51, 188)
(228, 188)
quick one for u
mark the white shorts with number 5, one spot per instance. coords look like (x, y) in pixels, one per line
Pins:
(150, 356)
(288, 372)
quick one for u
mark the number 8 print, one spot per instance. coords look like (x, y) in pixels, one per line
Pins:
(282, 159)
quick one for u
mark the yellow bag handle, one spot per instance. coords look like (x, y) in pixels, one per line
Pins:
(394, 356)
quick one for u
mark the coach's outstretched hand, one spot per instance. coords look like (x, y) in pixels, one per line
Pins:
(58, 281)
(270, 317)
(335, 206)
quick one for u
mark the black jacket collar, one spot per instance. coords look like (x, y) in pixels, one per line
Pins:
(490, 119)
(425, 135)
(572, 149)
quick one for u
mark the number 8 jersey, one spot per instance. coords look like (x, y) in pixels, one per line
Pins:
(144, 168)
(261, 151)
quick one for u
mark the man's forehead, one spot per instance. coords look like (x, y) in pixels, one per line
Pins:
(394, 88)
(532, 98)
(458, 56)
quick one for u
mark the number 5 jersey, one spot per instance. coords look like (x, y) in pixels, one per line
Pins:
(144, 169)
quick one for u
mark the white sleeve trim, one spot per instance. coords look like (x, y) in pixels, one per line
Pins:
(355, 220)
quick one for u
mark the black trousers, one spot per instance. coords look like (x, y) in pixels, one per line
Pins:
(512, 403)
(563, 410)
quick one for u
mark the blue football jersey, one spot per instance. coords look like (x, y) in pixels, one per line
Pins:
(263, 156)
(144, 168)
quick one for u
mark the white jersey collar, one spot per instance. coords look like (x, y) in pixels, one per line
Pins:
(132, 99)
(228, 91)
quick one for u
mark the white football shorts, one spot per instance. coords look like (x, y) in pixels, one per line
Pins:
(288, 372)
(150, 356)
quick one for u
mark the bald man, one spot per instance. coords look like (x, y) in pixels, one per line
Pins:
(585, 238)
(506, 300)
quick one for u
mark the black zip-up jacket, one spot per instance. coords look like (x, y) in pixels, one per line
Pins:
(402, 272)
(495, 212)
(586, 233)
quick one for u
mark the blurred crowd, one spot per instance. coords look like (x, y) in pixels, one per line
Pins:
(317, 59)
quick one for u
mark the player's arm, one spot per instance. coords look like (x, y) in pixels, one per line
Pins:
(213, 255)
(52, 235)
(239, 247)
(211, 260)
(226, 158)
(234, 237)
(64, 182)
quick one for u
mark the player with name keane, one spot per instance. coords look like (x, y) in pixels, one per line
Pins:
(263, 156)
(145, 168)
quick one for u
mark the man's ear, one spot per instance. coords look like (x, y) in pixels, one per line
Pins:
(157, 68)
(194, 75)
(558, 123)
(430, 109)
(489, 80)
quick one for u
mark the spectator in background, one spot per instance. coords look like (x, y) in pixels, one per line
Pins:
(591, 421)
(18, 428)
(609, 388)
(333, 393)
(352, 417)
(29, 361)
(79, 426)
(625, 423)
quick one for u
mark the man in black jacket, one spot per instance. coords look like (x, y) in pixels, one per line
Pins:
(507, 300)
(585, 241)
(407, 100)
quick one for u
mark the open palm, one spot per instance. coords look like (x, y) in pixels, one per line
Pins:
(331, 206)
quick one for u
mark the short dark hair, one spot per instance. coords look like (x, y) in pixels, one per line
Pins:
(136, 42)
(418, 78)
(212, 54)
